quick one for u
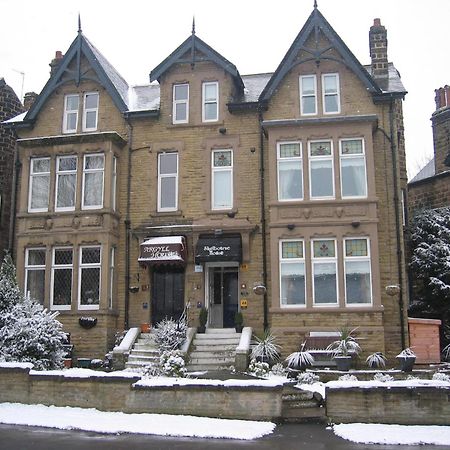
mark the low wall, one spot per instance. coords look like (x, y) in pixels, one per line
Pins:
(117, 393)
(424, 405)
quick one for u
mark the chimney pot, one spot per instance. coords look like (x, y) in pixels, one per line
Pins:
(376, 22)
(28, 100)
(54, 63)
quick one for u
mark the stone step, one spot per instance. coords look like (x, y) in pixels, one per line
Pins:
(220, 331)
(207, 367)
(145, 347)
(303, 414)
(211, 354)
(145, 352)
(216, 342)
(218, 336)
(214, 348)
(211, 361)
(136, 365)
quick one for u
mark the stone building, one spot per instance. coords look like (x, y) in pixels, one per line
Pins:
(10, 107)
(430, 188)
(135, 202)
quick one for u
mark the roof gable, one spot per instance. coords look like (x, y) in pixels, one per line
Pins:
(70, 69)
(314, 26)
(194, 50)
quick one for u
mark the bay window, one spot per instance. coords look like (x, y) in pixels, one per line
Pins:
(290, 171)
(180, 109)
(210, 104)
(222, 179)
(89, 277)
(167, 181)
(61, 284)
(292, 273)
(39, 184)
(66, 183)
(93, 182)
(321, 172)
(35, 273)
(324, 269)
(112, 257)
(358, 282)
(353, 168)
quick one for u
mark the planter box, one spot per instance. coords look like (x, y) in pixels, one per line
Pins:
(424, 340)
(84, 363)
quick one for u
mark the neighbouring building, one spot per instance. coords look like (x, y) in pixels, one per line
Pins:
(430, 188)
(135, 202)
(10, 107)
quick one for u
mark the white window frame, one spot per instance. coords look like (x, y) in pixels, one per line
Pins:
(337, 93)
(85, 171)
(167, 175)
(302, 95)
(296, 159)
(62, 173)
(34, 267)
(112, 261)
(353, 156)
(57, 267)
(86, 110)
(286, 261)
(82, 266)
(362, 259)
(114, 184)
(70, 111)
(176, 102)
(215, 170)
(30, 184)
(325, 260)
(205, 101)
(322, 158)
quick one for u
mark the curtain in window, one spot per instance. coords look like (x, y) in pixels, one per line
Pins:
(353, 177)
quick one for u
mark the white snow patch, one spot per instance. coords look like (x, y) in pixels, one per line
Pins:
(67, 418)
(15, 365)
(315, 387)
(373, 433)
(399, 383)
(168, 381)
(85, 373)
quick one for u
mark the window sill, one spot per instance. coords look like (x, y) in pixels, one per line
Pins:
(166, 213)
(326, 309)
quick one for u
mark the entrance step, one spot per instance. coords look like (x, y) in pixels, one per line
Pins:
(301, 406)
(214, 350)
(144, 352)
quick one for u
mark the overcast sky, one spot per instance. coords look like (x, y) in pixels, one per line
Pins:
(136, 35)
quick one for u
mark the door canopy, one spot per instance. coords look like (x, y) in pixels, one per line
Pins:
(163, 250)
(220, 248)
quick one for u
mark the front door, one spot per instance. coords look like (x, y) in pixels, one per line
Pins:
(223, 296)
(167, 293)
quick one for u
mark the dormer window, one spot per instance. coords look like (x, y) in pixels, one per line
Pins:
(90, 114)
(308, 95)
(210, 104)
(181, 103)
(71, 106)
(330, 92)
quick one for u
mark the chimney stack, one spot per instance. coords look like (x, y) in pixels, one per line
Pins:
(442, 97)
(54, 64)
(378, 49)
(28, 100)
(440, 122)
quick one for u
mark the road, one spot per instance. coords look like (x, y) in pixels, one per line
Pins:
(286, 437)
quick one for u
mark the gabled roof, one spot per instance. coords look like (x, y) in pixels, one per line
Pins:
(105, 74)
(315, 24)
(194, 46)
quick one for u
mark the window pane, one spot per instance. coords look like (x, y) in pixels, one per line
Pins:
(222, 189)
(181, 92)
(353, 172)
(324, 249)
(63, 256)
(210, 92)
(351, 147)
(290, 150)
(91, 101)
(90, 286)
(292, 249)
(71, 121)
(180, 111)
(91, 119)
(67, 164)
(168, 163)
(94, 162)
(66, 191)
(36, 257)
(62, 286)
(321, 178)
(330, 84)
(308, 86)
(320, 148)
(40, 191)
(357, 279)
(293, 284)
(40, 165)
(222, 159)
(356, 247)
(90, 255)
(72, 102)
(36, 284)
(290, 180)
(308, 105)
(331, 103)
(210, 111)
(168, 192)
(93, 187)
(325, 283)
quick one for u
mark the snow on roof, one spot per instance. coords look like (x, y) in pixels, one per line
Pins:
(164, 240)
(16, 119)
(426, 172)
(254, 85)
(144, 97)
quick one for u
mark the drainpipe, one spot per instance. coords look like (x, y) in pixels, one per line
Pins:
(263, 216)
(127, 223)
(15, 185)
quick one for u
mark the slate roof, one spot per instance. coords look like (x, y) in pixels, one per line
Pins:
(426, 172)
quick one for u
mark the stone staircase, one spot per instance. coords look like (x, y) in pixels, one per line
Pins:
(301, 406)
(143, 353)
(214, 350)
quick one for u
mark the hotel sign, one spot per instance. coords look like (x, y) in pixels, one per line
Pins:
(223, 248)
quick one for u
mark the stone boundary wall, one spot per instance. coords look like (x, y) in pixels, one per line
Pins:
(392, 405)
(116, 393)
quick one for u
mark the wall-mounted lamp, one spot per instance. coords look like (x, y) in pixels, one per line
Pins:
(291, 226)
(356, 224)
(253, 149)
(222, 130)
(133, 289)
(231, 214)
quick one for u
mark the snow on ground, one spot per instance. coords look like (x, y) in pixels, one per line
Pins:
(67, 418)
(85, 373)
(372, 433)
(168, 381)
(315, 387)
(410, 383)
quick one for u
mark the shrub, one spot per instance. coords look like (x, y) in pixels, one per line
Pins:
(376, 360)
(172, 364)
(258, 368)
(278, 369)
(383, 377)
(307, 378)
(170, 334)
(439, 376)
(347, 377)
(266, 347)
